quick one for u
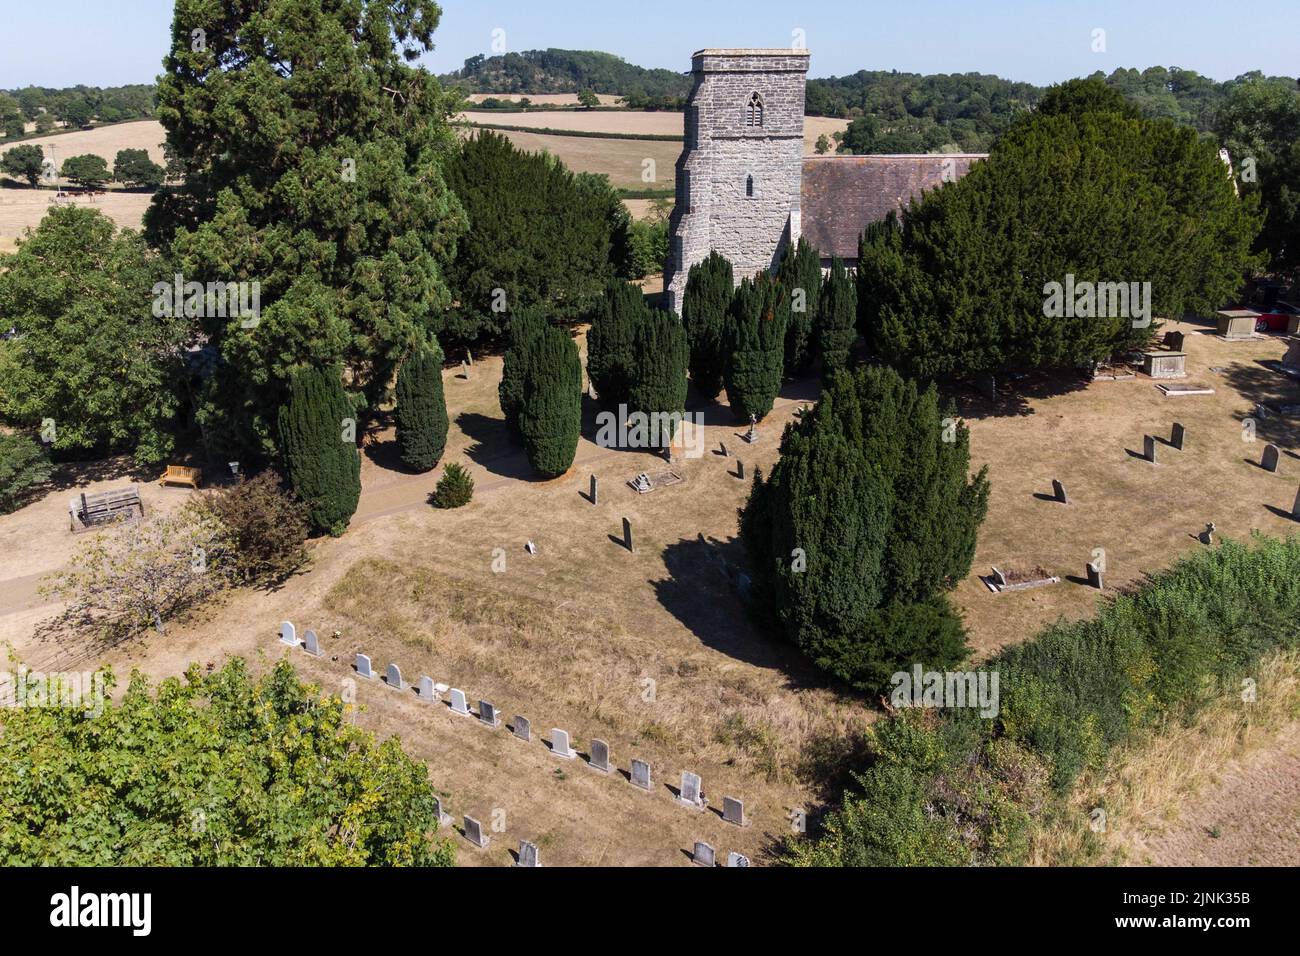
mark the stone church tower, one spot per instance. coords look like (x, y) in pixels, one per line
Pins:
(740, 175)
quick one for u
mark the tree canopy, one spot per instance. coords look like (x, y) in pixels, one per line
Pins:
(220, 769)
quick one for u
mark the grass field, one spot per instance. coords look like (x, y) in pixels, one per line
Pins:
(653, 651)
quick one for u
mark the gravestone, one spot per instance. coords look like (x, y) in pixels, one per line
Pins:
(469, 358)
(1175, 341)
(599, 756)
(522, 729)
(394, 677)
(751, 436)
(424, 690)
(1149, 448)
(288, 634)
(733, 811)
(440, 815)
(363, 667)
(640, 776)
(474, 833)
(999, 578)
(703, 855)
(1165, 364)
(560, 744)
(527, 854)
(488, 714)
(692, 795)
(722, 447)
(458, 703)
(1094, 576)
(627, 534)
(464, 370)
(530, 548)
(1058, 490)
(1271, 457)
(312, 644)
(594, 496)
(1295, 508)
(737, 859)
(1179, 436)
(740, 470)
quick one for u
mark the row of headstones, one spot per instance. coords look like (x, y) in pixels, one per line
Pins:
(528, 856)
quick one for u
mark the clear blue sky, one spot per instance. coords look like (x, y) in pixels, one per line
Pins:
(112, 42)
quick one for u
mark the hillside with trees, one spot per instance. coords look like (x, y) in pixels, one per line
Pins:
(572, 71)
(73, 106)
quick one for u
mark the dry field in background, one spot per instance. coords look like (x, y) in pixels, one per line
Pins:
(545, 99)
(570, 636)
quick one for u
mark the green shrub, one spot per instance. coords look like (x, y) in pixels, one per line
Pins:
(455, 488)
(24, 467)
(265, 528)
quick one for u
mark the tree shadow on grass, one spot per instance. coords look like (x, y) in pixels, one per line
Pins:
(494, 448)
(1013, 395)
(1261, 384)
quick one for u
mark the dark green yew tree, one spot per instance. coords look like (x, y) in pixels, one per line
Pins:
(705, 303)
(318, 435)
(755, 347)
(609, 342)
(801, 278)
(421, 409)
(551, 417)
(526, 327)
(836, 319)
(660, 355)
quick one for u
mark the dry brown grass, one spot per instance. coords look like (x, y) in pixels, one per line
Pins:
(1151, 787)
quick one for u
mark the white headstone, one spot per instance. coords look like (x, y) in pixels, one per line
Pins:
(474, 833)
(312, 644)
(394, 677)
(363, 667)
(560, 744)
(640, 774)
(288, 634)
(488, 714)
(1271, 457)
(703, 855)
(737, 859)
(522, 729)
(424, 690)
(527, 854)
(442, 816)
(692, 794)
(458, 703)
(600, 756)
(733, 811)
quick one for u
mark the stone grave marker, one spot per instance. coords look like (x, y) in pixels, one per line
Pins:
(530, 548)
(288, 634)
(522, 729)
(363, 667)
(1149, 448)
(458, 703)
(627, 535)
(1271, 457)
(487, 714)
(1058, 490)
(640, 776)
(692, 794)
(595, 498)
(999, 578)
(464, 371)
(424, 690)
(722, 447)
(312, 644)
(394, 678)
(737, 859)
(474, 833)
(1094, 576)
(442, 816)
(1295, 508)
(1179, 436)
(703, 855)
(599, 756)
(740, 469)
(527, 854)
(560, 744)
(733, 811)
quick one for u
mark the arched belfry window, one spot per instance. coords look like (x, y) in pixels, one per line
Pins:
(754, 112)
(749, 186)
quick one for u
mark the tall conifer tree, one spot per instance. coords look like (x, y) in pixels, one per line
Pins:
(551, 417)
(421, 409)
(705, 303)
(318, 436)
(755, 346)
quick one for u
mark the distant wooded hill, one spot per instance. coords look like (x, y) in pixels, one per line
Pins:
(573, 71)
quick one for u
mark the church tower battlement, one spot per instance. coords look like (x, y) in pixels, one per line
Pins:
(739, 178)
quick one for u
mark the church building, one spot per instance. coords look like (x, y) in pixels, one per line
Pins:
(746, 190)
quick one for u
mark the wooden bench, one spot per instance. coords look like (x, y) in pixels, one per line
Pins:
(89, 511)
(182, 475)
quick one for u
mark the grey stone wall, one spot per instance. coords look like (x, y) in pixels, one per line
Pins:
(715, 211)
